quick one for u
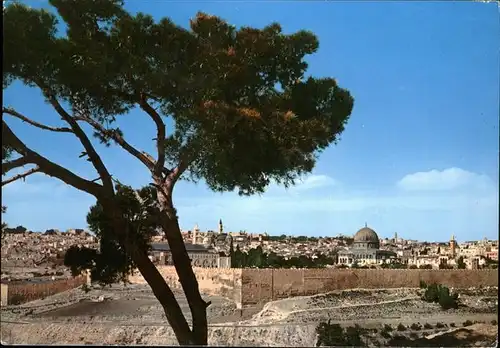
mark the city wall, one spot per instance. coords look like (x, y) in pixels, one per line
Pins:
(256, 286)
(20, 292)
(263, 285)
(225, 282)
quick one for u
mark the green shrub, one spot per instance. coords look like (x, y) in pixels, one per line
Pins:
(435, 293)
(423, 285)
(385, 334)
(467, 323)
(413, 335)
(353, 337)
(452, 324)
(387, 328)
(439, 325)
(427, 326)
(494, 322)
(334, 335)
(416, 327)
(401, 327)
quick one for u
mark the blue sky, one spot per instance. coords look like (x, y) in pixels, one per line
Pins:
(419, 155)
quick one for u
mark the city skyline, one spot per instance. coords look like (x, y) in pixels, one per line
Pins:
(419, 155)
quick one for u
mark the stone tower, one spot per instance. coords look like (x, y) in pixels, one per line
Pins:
(195, 233)
(453, 246)
(221, 227)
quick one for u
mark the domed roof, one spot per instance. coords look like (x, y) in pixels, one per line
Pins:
(366, 234)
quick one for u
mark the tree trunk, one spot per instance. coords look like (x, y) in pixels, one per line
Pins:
(155, 280)
(182, 264)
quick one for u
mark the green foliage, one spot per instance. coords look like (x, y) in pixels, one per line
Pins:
(256, 257)
(412, 267)
(467, 323)
(112, 263)
(439, 325)
(440, 294)
(245, 113)
(427, 266)
(423, 285)
(460, 263)
(387, 328)
(335, 335)
(385, 334)
(427, 326)
(416, 326)
(401, 327)
(445, 266)
(494, 322)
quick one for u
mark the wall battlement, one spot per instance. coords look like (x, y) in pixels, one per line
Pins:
(250, 286)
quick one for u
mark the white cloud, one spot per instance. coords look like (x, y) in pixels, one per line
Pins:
(445, 180)
(314, 181)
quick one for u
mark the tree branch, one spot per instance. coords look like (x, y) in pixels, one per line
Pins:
(119, 140)
(80, 134)
(23, 118)
(18, 162)
(160, 134)
(21, 176)
(48, 167)
(176, 173)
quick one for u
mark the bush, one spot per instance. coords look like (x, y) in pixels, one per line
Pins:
(334, 335)
(494, 322)
(467, 323)
(440, 294)
(387, 328)
(423, 285)
(401, 327)
(385, 334)
(427, 326)
(353, 337)
(416, 327)
(413, 335)
(439, 325)
(452, 324)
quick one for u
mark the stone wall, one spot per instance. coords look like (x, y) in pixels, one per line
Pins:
(256, 286)
(20, 292)
(212, 281)
(263, 285)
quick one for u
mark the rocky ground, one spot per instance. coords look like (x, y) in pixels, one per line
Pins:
(131, 315)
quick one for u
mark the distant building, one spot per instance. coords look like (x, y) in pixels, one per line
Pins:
(365, 249)
(200, 256)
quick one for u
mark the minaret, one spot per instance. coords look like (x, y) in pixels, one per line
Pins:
(453, 246)
(195, 233)
(395, 237)
(221, 227)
